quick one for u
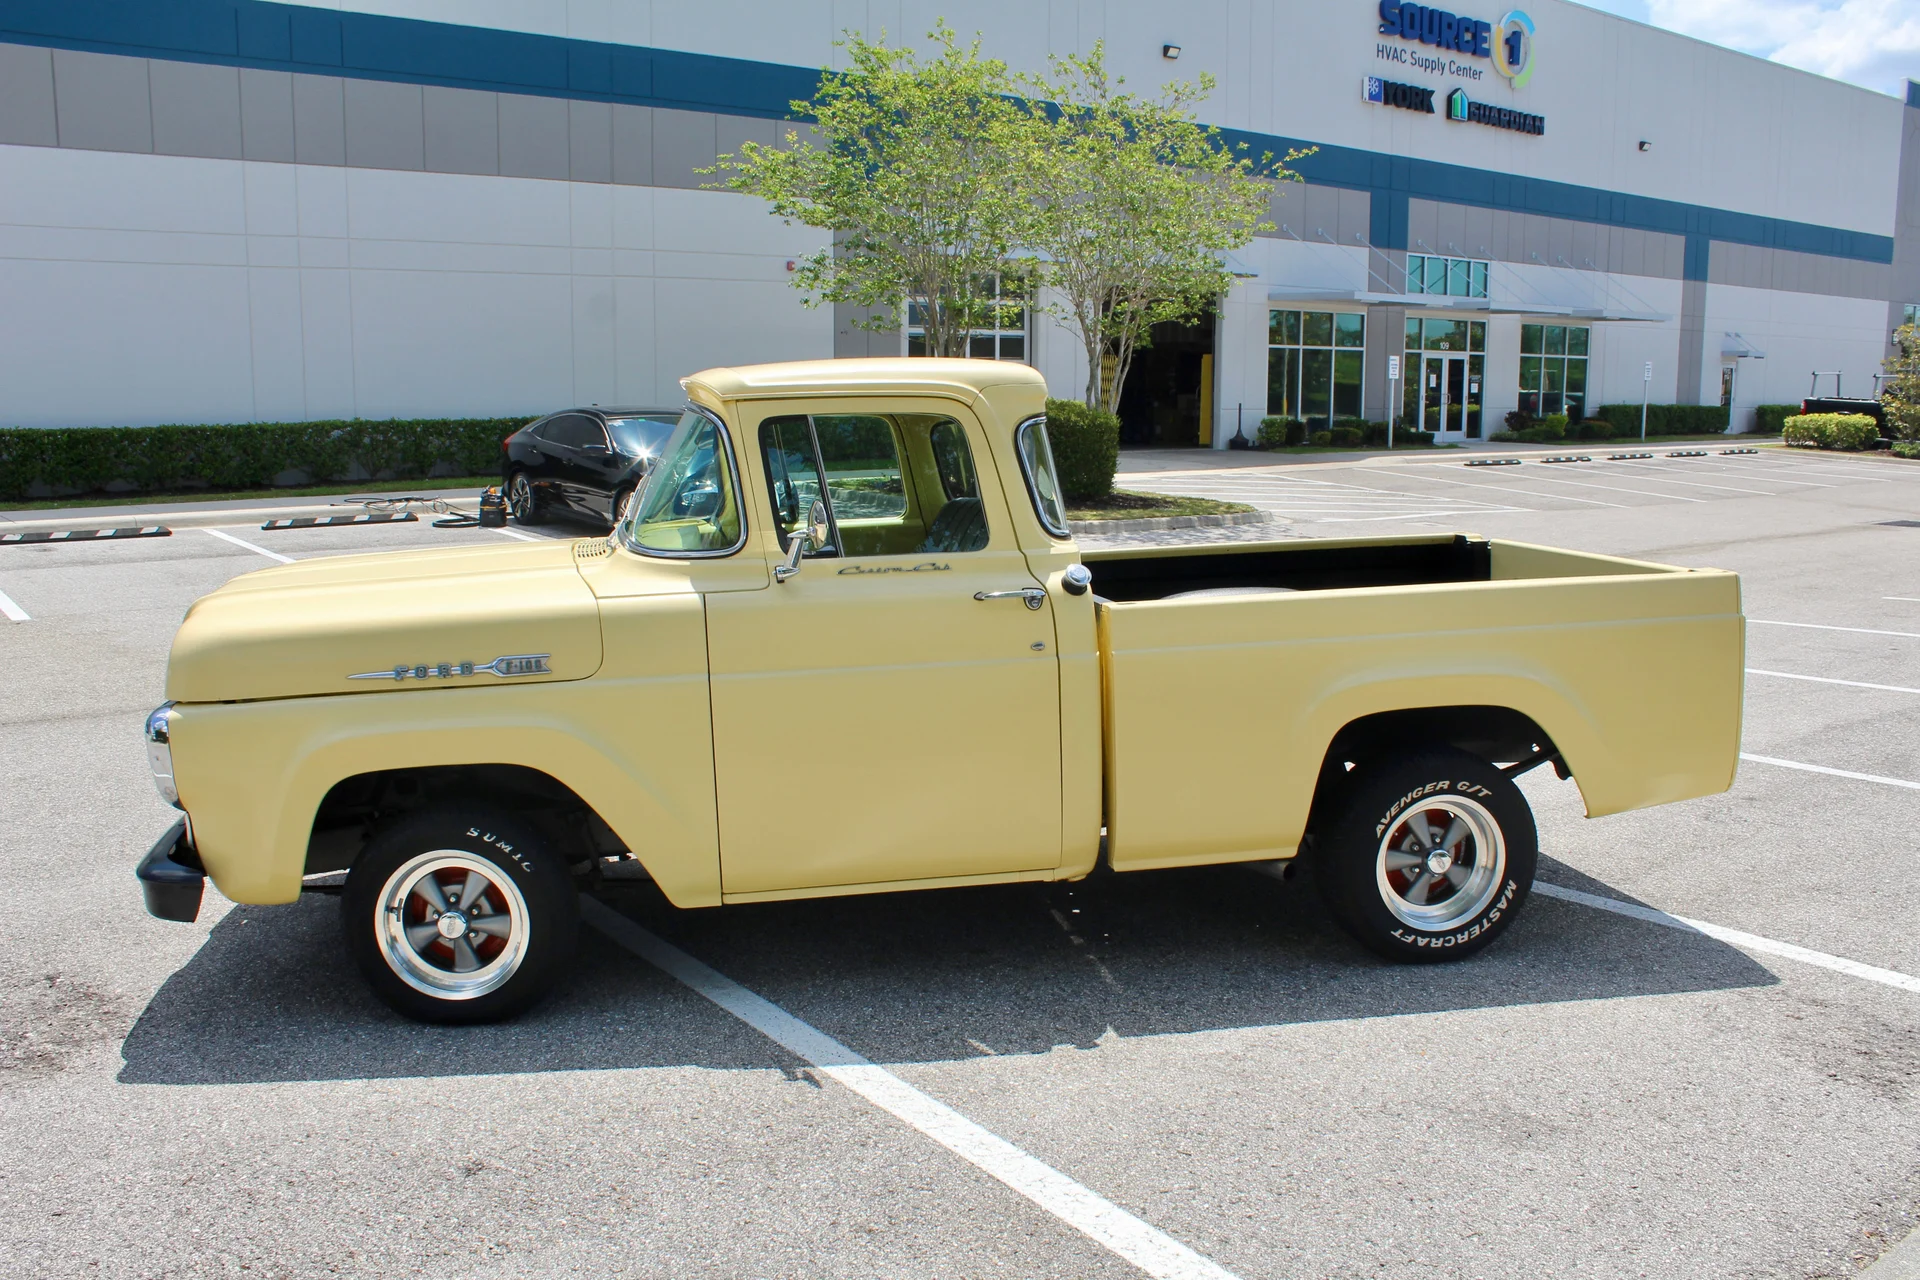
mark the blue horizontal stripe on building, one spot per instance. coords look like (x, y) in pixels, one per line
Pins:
(251, 33)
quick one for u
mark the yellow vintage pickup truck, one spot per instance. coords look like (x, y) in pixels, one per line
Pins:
(843, 642)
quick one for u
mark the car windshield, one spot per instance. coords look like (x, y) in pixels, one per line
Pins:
(642, 437)
(690, 505)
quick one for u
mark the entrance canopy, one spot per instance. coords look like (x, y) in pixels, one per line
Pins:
(1420, 302)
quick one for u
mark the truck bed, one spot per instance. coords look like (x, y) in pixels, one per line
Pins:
(1220, 709)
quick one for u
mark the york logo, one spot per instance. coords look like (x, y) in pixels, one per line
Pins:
(1408, 97)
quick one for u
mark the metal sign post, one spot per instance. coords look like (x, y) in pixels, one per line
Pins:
(1393, 400)
(1646, 391)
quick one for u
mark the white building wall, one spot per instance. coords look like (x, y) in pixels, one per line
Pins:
(144, 289)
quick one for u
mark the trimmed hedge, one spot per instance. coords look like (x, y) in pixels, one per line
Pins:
(1768, 419)
(1850, 431)
(69, 460)
(1664, 419)
(1086, 447)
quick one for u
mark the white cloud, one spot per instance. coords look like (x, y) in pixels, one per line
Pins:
(1875, 43)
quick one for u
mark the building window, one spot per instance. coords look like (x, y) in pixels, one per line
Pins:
(1005, 339)
(1910, 314)
(1448, 277)
(1553, 370)
(1315, 363)
(1444, 377)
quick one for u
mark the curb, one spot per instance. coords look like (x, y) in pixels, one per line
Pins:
(198, 518)
(1160, 523)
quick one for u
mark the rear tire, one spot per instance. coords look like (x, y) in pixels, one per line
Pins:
(459, 914)
(524, 501)
(1426, 856)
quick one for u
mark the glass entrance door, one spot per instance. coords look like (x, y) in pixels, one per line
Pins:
(1450, 396)
(1444, 393)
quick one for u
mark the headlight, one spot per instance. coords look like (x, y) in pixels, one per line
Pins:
(160, 753)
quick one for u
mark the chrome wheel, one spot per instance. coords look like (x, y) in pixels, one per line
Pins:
(520, 496)
(1441, 863)
(451, 925)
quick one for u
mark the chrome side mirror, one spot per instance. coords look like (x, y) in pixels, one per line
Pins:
(814, 538)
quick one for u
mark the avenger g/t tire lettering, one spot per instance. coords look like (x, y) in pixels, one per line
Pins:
(1427, 856)
(459, 914)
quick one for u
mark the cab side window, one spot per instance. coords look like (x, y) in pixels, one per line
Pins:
(793, 472)
(877, 503)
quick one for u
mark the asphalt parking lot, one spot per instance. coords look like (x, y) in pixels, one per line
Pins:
(1600, 1094)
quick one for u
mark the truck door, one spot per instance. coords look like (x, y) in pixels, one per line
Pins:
(892, 711)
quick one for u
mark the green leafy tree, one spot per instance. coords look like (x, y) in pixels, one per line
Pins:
(1135, 206)
(1900, 394)
(915, 176)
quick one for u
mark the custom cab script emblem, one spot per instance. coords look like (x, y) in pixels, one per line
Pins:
(519, 664)
(925, 566)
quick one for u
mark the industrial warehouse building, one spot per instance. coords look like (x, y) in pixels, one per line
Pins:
(225, 210)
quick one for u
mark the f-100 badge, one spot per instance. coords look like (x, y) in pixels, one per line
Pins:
(519, 664)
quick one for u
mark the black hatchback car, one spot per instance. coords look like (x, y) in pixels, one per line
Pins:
(584, 463)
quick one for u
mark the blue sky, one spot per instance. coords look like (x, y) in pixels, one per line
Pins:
(1873, 43)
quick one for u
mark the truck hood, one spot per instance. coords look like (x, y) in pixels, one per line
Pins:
(312, 627)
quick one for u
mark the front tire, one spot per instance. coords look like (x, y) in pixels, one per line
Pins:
(1427, 856)
(460, 914)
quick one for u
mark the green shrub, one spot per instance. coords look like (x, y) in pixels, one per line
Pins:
(1592, 429)
(1086, 446)
(1346, 437)
(67, 460)
(1849, 431)
(1906, 449)
(1320, 438)
(1664, 419)
(1769, 418)
(1281, 433)
(1416, 439)
(1554, 425)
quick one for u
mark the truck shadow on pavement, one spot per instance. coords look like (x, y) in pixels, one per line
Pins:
(908, 977)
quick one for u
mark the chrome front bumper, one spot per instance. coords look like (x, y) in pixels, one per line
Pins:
(171, 876)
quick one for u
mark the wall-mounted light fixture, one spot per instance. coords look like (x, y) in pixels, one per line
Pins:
(1169, 51)
(1645, 145)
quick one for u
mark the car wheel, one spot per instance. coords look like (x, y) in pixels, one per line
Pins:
(1427, 856)
(461, 914)
(622, 498)
(523, 501)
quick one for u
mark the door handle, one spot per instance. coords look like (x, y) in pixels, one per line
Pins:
(1034, 596)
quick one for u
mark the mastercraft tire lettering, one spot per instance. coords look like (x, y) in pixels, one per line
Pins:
(1427, 856)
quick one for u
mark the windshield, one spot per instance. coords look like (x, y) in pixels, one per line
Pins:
(642, 437)
(690, 505)
(1043, 478)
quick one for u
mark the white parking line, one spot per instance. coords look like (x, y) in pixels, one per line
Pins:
(12, 611)
(1734, 937)
(1832, 773)
(1618, 488)
(1821, 626)
(1903, 599)
(1144, 1245)
(238, 542)
(524, 537)
(1852, 684)
(1504, 488)
(1636, 468)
